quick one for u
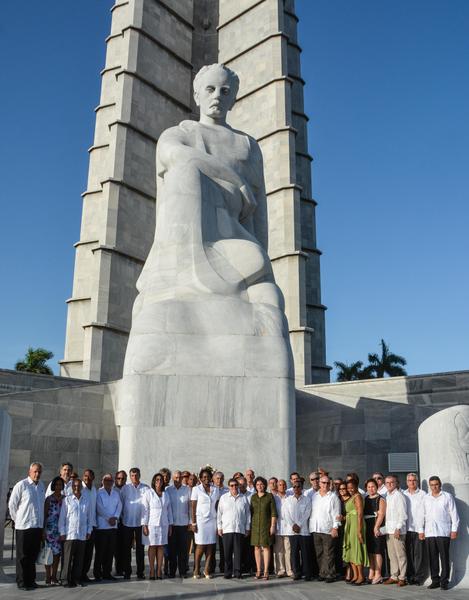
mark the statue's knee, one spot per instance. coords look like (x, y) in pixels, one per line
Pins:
(266, 293)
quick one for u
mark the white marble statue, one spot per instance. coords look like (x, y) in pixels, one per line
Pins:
(210, 239)
(209, 337)
(444, 451)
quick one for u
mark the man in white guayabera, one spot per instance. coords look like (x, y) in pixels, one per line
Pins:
(26, 507)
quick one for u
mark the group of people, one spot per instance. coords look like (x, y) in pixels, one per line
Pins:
(330, 531)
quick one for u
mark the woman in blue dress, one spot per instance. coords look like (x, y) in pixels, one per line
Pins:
(51, 533)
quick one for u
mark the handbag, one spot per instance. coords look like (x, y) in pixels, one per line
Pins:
(45, 556)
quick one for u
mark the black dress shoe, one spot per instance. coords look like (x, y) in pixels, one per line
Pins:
(228, 576)
(433, 586)
(320, 578)
(85, 579)
(109, 578)
(24, 586)
(127, 576)
(330, 580)
(308, 579)
(141, 576)
(443, 586)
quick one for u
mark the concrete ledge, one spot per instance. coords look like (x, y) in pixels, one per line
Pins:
(11, 381)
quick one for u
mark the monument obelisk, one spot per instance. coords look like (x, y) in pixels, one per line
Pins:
(148, 40)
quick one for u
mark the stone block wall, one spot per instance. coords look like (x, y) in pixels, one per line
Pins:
(353, 426)
(74, 424)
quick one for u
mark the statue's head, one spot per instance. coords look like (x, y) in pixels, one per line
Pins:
(215, 89)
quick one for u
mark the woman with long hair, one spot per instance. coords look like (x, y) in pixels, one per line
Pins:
(341, 569)
(263, 526)
(354, 548)
(374, 512)
(157, 520)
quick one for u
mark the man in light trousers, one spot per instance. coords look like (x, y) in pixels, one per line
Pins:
(396, 528)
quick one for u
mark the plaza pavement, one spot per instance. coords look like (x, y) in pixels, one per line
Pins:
(220, 588)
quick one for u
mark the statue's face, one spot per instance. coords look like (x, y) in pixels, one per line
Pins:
(215, 94)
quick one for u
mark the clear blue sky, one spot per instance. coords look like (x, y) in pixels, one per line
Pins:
(388, 97)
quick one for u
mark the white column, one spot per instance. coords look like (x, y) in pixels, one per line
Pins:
(444, 451)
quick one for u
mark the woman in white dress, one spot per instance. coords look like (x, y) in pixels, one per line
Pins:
(204, 501)
(157, 519)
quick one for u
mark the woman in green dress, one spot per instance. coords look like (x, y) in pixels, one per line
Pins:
(263, 525)
(354, 549)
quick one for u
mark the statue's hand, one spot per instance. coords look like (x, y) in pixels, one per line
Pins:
(249, 202)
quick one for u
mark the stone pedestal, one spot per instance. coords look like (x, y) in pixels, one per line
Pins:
(444, 451)
(189, 421)
(5, 438)
(190, 398)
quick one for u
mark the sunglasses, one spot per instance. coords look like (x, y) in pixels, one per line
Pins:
(314, 479)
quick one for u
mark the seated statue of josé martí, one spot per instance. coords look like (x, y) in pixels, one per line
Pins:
(208, 362)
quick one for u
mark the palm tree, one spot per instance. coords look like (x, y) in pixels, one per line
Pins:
(388, 363)
(353, 372)
(35, 361)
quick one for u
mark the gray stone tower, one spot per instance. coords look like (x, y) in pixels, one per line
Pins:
(153, 51)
